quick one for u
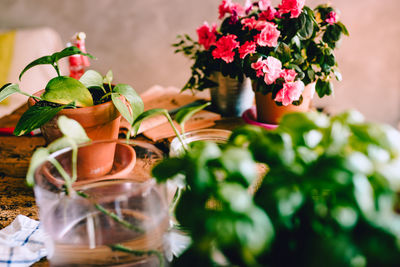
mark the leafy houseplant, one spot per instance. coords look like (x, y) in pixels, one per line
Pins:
(66, 93)
(281, 49)
(330, 196)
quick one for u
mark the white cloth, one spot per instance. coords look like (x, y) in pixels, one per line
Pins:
(22, 243)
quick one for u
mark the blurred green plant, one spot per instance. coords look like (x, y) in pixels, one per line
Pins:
(330, 197)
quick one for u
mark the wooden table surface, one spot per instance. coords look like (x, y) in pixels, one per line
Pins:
(15, 153)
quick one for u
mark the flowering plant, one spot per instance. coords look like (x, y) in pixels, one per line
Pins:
(281, 49)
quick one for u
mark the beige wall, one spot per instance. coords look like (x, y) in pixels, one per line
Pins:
(133, 37)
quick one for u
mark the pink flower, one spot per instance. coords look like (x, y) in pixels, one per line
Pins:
(295, 7)
(248, 6)
(269, 14)
(234, 9)
(290, 92)
(272, 69)
(264, 4)
(225, 46)
(247, 48)
(332, 18)
(258, 67)
(252, 23)
(225, 7)
(269, 35)
(289, 75)
(207, 35)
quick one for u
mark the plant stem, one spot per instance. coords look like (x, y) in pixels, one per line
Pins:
(119, 247)
(57, 69)
(64, 174)
(74, 161)
(166, 114)
(29, 95)
(113, 216)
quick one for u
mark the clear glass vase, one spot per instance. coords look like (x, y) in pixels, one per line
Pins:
(118, 219)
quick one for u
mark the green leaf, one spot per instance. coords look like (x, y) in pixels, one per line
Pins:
(343, 28)
(35, 117)
(122, 108)
(69, 51)
(64, 90)
(40, 61)
(185, 114)
(92, 78)
(53, 59)
(168, 168)
(307, 29)
(133, 98)
(38, 158)
(145, 115)
(109, 77)
(8, 89)
(323, 88)
(72, 129)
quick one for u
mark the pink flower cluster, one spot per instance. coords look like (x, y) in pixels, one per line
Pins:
(294, 7)
(271, 70)
(207, 36)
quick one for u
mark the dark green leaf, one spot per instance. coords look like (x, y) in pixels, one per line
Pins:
(168, 168)
(69, 51)
(35, 117)
(40, 61)
(307, 28)
(323, 88)
(343, 28)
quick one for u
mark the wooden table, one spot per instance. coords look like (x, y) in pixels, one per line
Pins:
(15, 153)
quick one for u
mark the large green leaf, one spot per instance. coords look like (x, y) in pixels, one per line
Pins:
(133, 98)
(53, 59)
(40, 61)
(35, 117)
(39, 157)
(64, 90)
(8, 89)
(69, 51)
(72, 129)
(91, 78)
(122, 108)
(307, 28)
(145, 115)
(185, 114)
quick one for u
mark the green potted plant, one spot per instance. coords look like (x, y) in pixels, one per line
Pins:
(93, 101)
(330, 196)
(282, 50)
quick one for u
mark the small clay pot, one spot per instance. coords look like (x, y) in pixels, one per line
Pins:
(101, 122)
(269, 112)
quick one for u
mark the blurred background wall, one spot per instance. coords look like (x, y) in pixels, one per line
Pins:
(134, 37)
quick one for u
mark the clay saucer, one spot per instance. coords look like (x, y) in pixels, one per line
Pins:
(250, 117)
(124, 162)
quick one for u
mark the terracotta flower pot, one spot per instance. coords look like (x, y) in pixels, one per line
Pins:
(269, 112)
(100, 122)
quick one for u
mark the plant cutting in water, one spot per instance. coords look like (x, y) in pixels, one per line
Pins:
(282, 49)
(73, 136)
(330, 196)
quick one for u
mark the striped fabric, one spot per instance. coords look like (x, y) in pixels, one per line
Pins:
(22, 243)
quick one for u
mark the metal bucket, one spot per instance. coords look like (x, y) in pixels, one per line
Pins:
(231, 97)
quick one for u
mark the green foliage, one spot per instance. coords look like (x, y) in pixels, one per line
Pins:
(54, 58)
(305, 44)
(64, 90)
(330, 196)
(35, 117)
